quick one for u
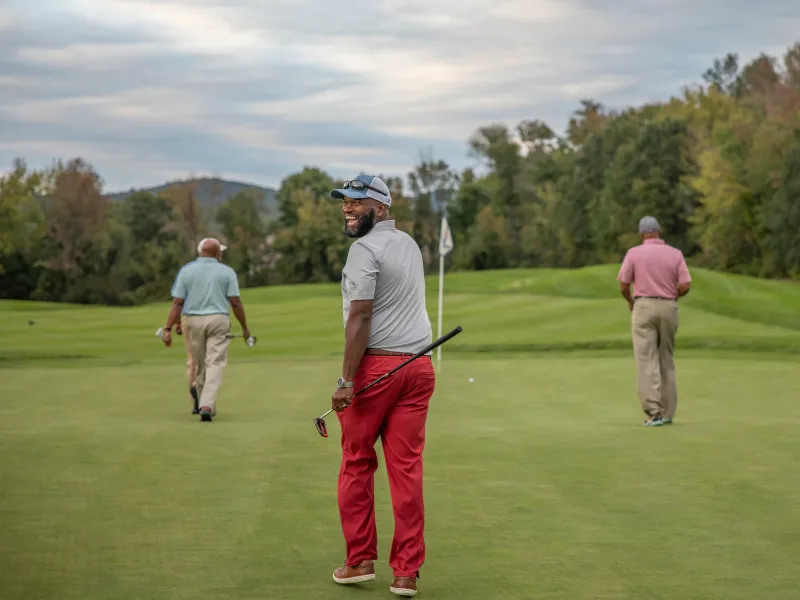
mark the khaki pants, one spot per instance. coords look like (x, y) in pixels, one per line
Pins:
(655, 324)
(191, 372)
(210, 354)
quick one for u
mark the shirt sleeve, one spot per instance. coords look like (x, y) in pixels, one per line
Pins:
(179, 287)
(626, 270)
(361, 271)
(683, 271)
(233, 285)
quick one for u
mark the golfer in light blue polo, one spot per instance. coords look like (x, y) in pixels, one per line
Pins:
(183, 329)
(205, 290)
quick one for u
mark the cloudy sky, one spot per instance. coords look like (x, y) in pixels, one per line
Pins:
(254, 90)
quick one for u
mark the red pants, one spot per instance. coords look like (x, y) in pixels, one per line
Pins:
(396, 410)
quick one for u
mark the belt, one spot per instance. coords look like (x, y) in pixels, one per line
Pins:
(654, 297)
(379, 352)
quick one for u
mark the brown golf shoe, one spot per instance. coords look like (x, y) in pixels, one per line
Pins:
(404, 586)
(356, 574)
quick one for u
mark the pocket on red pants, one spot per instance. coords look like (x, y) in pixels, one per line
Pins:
(421, 379)
(424, 369)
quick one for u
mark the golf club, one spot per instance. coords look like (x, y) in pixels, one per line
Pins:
(251, 341)
(319, 422)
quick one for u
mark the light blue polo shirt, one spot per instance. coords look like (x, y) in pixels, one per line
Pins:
(205, 284)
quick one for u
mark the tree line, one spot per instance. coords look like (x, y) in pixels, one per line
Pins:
(718, 164)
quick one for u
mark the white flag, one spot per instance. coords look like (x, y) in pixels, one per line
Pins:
(445, 239)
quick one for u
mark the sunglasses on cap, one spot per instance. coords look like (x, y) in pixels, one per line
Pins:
(358, 185)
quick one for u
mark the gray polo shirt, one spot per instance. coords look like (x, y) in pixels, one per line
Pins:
(385, 266)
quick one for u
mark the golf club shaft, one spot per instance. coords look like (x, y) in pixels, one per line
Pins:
(423, 352)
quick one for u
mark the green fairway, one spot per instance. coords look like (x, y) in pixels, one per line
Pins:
(513, 311)
(541, 482)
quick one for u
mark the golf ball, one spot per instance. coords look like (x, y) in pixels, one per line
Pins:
(471, 380)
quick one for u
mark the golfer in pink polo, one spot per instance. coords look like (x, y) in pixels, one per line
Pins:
(660, 276)
(386, 322)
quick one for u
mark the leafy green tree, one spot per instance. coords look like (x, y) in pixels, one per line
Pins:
(145, 230)
(782, 216)
(22, 227)
(723, 75)
(245, 230)
(585, 121)
(315, 249)
(791, 67)
(489, 245)
(310, 180)
(464, 207)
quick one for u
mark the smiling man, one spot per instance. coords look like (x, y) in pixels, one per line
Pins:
(386, 322)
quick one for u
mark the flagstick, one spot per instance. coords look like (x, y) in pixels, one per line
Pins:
(441, 302)
(445, 246)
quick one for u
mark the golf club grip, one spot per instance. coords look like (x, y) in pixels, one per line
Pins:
(432, 346)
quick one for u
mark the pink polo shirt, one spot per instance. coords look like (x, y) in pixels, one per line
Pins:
(655, 268)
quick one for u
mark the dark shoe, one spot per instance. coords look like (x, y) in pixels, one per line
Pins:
(205, 414)
(654, 421)
(193, 392)
(404, 586)
(347, 575)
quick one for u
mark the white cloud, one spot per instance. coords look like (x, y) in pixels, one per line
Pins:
(113, 152)
(595, 88)
(206, 30)
(6, 21)
(88, 56)
(8, 82)
(536, 12)
(56, 110)
(266, 86)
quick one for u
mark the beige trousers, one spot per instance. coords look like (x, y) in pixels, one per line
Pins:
(191, 372)
(654, 326)
(209, 347)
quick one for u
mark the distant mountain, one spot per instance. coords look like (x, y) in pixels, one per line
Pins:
(210, 191)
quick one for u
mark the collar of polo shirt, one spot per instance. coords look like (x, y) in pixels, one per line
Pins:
(387, 224)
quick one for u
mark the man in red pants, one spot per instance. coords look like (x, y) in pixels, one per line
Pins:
(386, 322)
